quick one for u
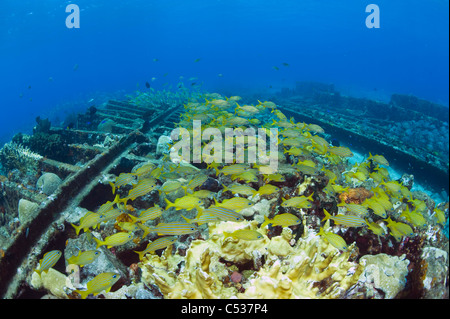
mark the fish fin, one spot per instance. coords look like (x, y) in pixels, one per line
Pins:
(133, 218)
(99, 242)
(266, 222)
(327, 215)
(186, 219)
(113, 187)
(77, 228)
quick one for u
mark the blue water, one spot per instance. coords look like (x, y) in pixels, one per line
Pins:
(47, 68)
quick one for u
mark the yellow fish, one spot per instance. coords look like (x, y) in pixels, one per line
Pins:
(118, 239)
(374, 205)
(380, 159)
(340, 151)
(202, 218)
(376, 228)
(121, 180)
(245, 234)
(334, 239)
(169, 187)
(148, 214)
(247, 176)
(160, 243)
(267, 189)
(440, 216)
(346, 220)
(89, 220)
(48, 261)
(143, 187)
(298, 202)
(274, 177)
(202, 194)
(187, 202)
(284, 220)
(84, 258)
(240, 189)
(101, 282)
(236, 203)
(173, 228)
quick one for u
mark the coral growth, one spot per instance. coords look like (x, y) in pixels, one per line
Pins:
(355, 195)
(311, 268)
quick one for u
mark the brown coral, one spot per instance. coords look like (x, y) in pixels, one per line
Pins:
(355, 195)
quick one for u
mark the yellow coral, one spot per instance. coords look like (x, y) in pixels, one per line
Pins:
(311, 269)
(301, 274)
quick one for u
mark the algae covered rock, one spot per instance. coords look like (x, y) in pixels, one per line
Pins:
(27, 210)
(385, 273)
(435, 279)
(53, 281)
(48, 183)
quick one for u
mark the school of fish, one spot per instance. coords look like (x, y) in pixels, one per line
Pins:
(308, 153)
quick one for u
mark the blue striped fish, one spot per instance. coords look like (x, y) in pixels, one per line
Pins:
(334, 239)
(159, 243)
(148, 214)
(121, 180)
(101, 282)
(202, 218)
(143, 187)
(346, 220)
(107, 206)
(48, 261)
(198, 180)
(224, 214)
(355, 208)
(173, 228)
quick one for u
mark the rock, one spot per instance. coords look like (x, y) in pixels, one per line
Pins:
(211, 184)
(385, 273)
(105, 262)
(27, 211)
(162, 147)
(48, 183)
(106, 126)
(435, 279)
(53, 281)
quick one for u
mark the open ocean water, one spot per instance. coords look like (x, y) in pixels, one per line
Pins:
(62, 58)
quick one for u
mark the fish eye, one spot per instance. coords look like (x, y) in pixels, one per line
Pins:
(114, 276)
(96, 253)
(192, 229)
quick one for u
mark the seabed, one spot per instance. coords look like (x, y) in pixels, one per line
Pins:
(54, 177)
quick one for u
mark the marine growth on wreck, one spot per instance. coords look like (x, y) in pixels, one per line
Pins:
(313, 225)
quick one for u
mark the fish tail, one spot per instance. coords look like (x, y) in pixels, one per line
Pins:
(186, 219)
(169, 203)
(327, 215)
(185, 189)
(117, 199)
(77, 228)
(266, 222)
(226, 235)
(82, 293)
(133, 218)
(140, 253)
(99, 242)
(113, 187)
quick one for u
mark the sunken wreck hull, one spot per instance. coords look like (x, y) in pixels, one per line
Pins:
(37, 214)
